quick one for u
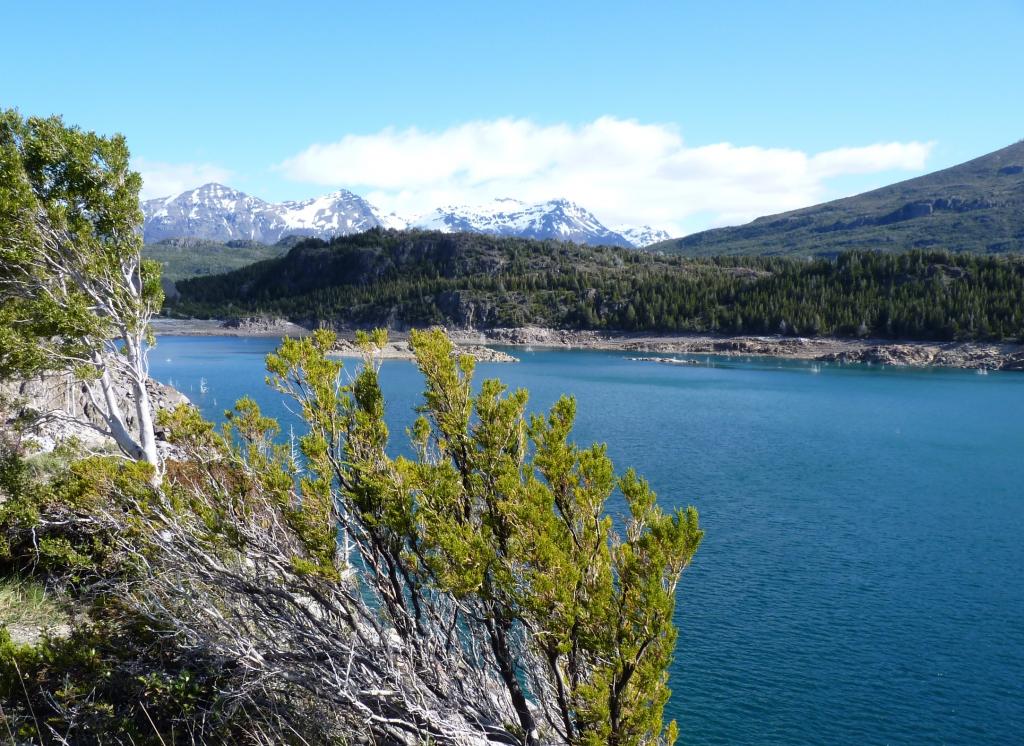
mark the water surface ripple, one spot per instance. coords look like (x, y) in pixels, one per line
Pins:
(860, 580)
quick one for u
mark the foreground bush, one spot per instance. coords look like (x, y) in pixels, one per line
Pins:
(477, 591)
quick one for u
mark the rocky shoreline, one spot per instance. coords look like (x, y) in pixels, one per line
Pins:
(970, 355)
(480, 343)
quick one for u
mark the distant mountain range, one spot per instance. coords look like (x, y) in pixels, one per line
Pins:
(559, 219)
(977, 206)
(214, 212)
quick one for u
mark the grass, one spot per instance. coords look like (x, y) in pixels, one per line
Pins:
(26, 603)
(183, 258)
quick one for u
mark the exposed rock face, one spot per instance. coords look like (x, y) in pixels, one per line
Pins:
(784, 346)
(1013, 362)
(59, 408)
(884, 355)
(533, 335)
(486, 354)
(978, 356)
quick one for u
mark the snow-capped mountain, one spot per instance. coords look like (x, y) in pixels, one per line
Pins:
(558, 219)
(215, 212)
(218, 213)
(642, 236)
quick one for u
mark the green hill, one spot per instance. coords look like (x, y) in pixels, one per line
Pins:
(417, 278)
(192, 257)
(977, 206)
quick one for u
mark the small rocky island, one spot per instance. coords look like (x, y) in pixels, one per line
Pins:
(665, 360)
(400, 349)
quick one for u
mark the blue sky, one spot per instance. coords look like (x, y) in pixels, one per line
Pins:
(682, 114)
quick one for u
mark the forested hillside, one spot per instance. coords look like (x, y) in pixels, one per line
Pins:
(977, 206)
(420, 278)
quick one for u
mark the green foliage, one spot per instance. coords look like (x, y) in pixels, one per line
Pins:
(422, 279)
(55, 527)
(181, 258)
(534, 544)
(114, 674)
(527, 546)
(117, 680)
(70, 277)
(563, 571)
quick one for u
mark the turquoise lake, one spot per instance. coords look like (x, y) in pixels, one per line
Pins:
(862, 574)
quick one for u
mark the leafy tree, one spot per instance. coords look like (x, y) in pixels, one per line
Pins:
(75, 294)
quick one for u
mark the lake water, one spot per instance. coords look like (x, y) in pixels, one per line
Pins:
(862, 575)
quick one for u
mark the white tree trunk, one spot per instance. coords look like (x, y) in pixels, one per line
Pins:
(138, 442)
(139, 374)
(113, 416)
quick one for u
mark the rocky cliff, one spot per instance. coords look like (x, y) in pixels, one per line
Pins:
(54, 408)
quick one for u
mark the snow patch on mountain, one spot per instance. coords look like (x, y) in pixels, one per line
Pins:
(643, 235)
(218, 213)
(215, 212)
(556, 219)
(391, 221)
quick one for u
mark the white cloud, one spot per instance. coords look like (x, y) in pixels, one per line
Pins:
(624, 171)
(871, 159)
(166, 179)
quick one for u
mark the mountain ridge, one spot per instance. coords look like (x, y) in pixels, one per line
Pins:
(975, 206)
(558, 219)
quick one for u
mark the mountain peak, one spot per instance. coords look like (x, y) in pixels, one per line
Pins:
(642, 236)
(214, 190)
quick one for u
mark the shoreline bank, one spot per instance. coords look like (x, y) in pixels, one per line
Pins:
(969, 355)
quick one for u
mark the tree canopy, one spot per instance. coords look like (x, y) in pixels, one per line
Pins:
(423, 278)
(75, 294)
